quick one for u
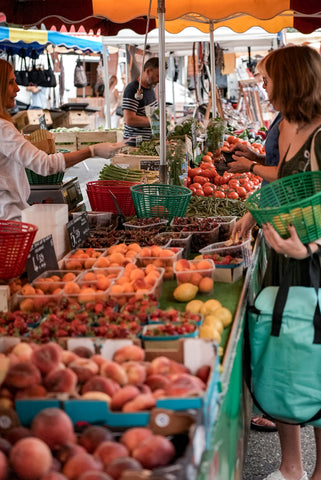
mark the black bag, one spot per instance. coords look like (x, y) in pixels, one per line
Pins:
(80, 78)
(36, 75)
(49, 76)
(119, 111)
(22, 75)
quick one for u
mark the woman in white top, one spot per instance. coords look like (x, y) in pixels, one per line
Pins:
(17, 153)
(114, 100)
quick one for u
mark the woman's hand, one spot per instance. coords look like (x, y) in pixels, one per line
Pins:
(108, 150)
(242, 150)
(290, 247)
(243, 227)
(240, 164)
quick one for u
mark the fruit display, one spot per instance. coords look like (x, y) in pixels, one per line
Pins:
(161, 257)
(197, 272)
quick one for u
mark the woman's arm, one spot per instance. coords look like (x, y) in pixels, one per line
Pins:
(104, 150)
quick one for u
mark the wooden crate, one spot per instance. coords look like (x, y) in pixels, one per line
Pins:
(73, 118)
(65, 141)
(88, 138)
(27, 121)
(144, 162)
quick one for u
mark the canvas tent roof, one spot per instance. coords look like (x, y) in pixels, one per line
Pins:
(33, 42)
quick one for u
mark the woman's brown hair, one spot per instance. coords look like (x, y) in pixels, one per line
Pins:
(296, 75)
(5, 71)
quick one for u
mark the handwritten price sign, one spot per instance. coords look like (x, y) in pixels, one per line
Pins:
(42, 257)
(78, 230)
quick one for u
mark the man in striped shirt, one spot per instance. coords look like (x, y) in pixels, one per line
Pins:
(136, 123)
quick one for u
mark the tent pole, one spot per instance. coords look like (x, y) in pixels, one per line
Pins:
(106, 81)
(161, 99)
(213, 80)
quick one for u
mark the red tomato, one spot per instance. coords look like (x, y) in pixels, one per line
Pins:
(219, 194)
(225, 187)
(248, 186)
(210, 154)
(208, 190)
(187, 181)
(196, 185)
(199, 192)
(232, 195)
(205, 165)
(200, 179)
(233, 183)
(195, 171)
(241, 191)
(206, 158)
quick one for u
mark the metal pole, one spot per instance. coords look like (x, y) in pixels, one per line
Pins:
(162, 104)
(213, 79)
(106, 81)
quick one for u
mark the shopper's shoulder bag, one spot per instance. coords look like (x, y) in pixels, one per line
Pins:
(49, 79)
(283, 349)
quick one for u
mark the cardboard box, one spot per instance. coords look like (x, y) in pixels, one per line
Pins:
(73, 118)
(144, 162)
(28, 120)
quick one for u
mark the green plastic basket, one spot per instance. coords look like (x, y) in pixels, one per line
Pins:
(158, 200)
(35, 179)
(294, 199)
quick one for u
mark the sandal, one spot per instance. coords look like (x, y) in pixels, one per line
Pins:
(263, 424)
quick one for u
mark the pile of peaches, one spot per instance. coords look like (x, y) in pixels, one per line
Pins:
(127, 382)
(197, 272)
(51, 450)
(115, 256)
(160, 257)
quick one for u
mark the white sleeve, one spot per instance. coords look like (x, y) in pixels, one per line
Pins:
(18, 149)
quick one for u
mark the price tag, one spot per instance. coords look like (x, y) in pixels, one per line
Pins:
(78, 230)
(42, 257)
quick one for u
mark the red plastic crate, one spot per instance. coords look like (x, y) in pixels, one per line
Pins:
(101, 199)
(16, 239)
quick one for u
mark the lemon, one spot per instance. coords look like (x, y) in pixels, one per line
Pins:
(194, 306)
(214, 322)
(210, 306)
(185, 292)
(224, 315)
(210, 333)
(198, 257)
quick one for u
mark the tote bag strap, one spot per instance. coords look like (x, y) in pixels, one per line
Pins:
(313, 158)
(282, 294)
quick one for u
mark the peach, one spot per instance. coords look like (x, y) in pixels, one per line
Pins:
(73, 264)
(124, 395)
(102, 262)
(135, 371)
(129, 352)
(195, 278)
(17, 433)
(27, 305)
(42, 427)
(67, 356)
(204, 265)
(101, 384)
(94, 475)
(61, 380)
(23, 351)
(160, 365)
(157, 381)
(92, 436)
(22, 375)
(83, 352)
(136, 274)
(143, 401)
(89, 263)
(84, 368)
(53, 476)
(134, 436)
(34, 391)
(46, 357)
(5, 447)
(71, 288)
(109, 450)
(182, 265)
(206, 285)
(30, 458)
(117, 466)
(203, 373)
(114, 371)
(28, 289)
(68, 450)
(184, 384)
(68, 277)
(3, 466)
(80, 463)
(102, 282)
(155, 451)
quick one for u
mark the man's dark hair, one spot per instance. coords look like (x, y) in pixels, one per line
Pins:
(151, 63)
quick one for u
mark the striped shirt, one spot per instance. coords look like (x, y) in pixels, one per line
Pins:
(138, 106)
